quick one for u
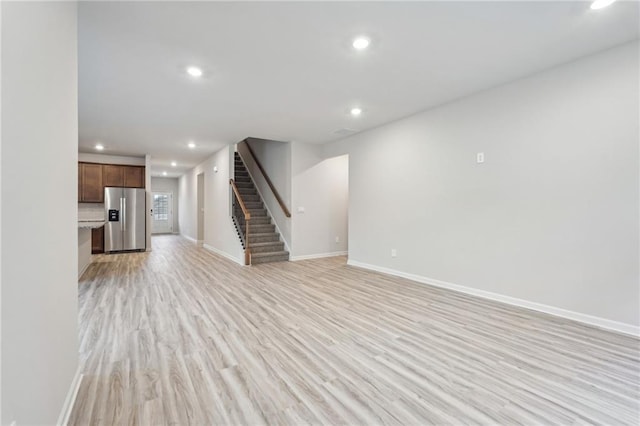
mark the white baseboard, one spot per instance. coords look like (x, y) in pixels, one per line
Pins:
(193, 240)
(70, 399)
(318, 255)
(84, 269)
(222, 253)
(552, 310)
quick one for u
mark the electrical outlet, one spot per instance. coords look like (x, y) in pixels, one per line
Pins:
(337, 239)
(394, 253)
(480, 157)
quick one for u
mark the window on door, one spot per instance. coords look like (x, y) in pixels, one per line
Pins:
(162, 212)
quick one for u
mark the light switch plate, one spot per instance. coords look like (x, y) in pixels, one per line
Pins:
(480, 157)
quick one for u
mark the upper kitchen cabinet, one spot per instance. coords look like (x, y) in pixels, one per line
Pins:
(93, 178)
(133, 177)
(123, 176)
(113, 175)
(91, 188)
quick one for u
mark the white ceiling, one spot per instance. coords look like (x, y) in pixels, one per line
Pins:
(287, 71)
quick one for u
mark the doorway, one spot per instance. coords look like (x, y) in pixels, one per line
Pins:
(162, 213)
(200, 209)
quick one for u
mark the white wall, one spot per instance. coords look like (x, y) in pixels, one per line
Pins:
(159, 184)
(275, 158)
(187, 221)
(39, 168)
(552, 215)
(321, 187)
(220, 235)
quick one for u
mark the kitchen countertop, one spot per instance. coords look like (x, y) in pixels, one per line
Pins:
(90, 223)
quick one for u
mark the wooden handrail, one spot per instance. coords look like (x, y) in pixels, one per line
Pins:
(245, 211)
(247, 219)
(266, 177)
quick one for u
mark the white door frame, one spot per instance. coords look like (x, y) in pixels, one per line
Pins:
(155, 225)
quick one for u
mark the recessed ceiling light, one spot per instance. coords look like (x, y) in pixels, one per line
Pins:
(600, 4)
(194, 71)
(99, 147)
(361, 43)
(173, 164)
(191, 145)
(164, 173)
(356, 111)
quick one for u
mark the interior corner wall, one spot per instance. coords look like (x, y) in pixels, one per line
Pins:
(321, 186)
(172, 185)
(220, 235)
(550, 217)
(275, 158)
(39, 168)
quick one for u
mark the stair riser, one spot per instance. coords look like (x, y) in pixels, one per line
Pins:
(279, 258)
(261, 220)
(255, 220)
(242, 185)
(261, 229)
(269, 248)
(257, 213)
(253, 205)
(263, 238)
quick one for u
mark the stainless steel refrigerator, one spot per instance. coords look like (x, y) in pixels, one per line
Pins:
(125, 213)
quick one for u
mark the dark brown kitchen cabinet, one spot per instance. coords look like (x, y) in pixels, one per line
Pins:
(93, 178)
(123, 176)
(97, 240)
(113, 175)
(133, 177)
(91, 186)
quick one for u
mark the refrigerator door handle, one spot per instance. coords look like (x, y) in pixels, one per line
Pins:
(124, 214)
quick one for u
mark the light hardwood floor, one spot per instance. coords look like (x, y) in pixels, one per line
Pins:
(183, 336)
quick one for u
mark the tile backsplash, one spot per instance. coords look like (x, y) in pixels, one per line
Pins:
(90, 211)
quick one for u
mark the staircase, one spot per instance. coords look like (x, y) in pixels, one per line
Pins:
(264, 240)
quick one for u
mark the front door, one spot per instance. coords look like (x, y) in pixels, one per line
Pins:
(162, 213)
